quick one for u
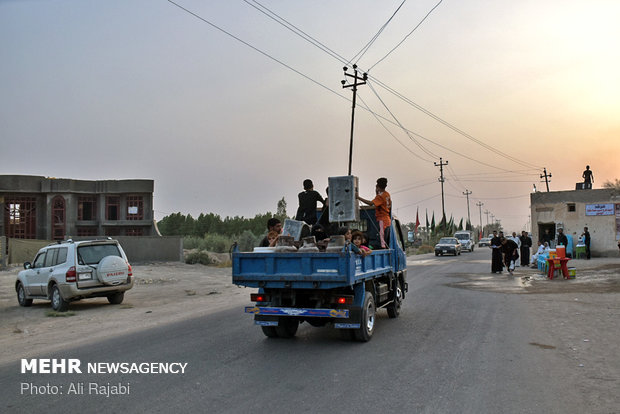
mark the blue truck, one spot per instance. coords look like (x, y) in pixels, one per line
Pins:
(342, 289)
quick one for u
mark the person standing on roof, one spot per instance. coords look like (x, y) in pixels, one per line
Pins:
(307, 203)
(587, 175)
(383, 208)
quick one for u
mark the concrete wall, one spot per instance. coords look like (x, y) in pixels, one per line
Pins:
(152, 248)
(553, 208)
(139, 249)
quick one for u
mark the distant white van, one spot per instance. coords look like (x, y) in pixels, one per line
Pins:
(465, 238)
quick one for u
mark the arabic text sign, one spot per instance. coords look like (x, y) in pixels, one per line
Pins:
(600, 209)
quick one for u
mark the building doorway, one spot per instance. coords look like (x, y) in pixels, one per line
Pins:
(58, 218)
(543, 236)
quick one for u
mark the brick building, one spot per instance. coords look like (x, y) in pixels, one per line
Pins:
(34, 207)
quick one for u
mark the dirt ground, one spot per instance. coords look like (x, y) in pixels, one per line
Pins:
(162, 293)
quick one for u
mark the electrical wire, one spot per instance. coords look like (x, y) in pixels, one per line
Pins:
(335, 55)
(427, 152)
(274, 16)
(362, 52)
(257, 49)
(405, 38)
(376, 116)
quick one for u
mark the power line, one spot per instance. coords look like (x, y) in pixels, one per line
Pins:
(405, 38)
(427, 152)
(257, 49)
(363, 51)
(335, 55)
(338, 57)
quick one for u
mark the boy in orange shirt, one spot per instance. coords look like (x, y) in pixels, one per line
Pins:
(383, 207)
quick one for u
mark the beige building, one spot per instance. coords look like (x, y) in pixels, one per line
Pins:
(34, 207)
(599, 210)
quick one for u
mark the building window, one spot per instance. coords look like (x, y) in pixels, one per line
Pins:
(135, 208)
(113, 231)
(112, 207)
(87, 208)
(20, 216)
(571, 207)
(86, 231)
(58, 218)
(134, 231)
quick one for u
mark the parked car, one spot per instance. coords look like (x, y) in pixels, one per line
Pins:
(448, 245)
(68, 271)
(485, 241)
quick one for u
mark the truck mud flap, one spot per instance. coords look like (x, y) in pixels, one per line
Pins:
(352, 322)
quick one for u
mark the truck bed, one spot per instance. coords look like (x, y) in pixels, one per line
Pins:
(312, 270)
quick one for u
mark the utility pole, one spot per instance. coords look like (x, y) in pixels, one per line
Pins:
(487, 212)
(441, 180)
(546, 177)
(353, 85)
(480, 204)
(466, 194)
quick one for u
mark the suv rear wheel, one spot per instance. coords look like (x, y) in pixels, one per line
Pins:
(117, 298)
(21, 296)
(58, 303)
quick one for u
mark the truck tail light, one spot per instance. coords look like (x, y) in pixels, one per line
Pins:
(71, 275)
(259, 297)
(129, 270)
(343, 300)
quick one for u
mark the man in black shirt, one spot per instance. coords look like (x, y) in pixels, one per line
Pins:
(562, 239)
(307, 203)
(526, 246)
(496, 253)
(586, 241)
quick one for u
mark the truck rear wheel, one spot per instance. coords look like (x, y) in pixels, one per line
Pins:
(269, 331)
(367, 324)
(287, 327)
(393, 309)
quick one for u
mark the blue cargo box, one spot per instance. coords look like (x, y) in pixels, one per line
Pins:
(308, 270)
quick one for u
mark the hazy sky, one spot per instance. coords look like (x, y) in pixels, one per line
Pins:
(122, 89)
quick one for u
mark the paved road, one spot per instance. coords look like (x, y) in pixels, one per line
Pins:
(451, 351)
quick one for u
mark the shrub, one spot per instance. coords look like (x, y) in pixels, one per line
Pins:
(193, 242)
(217, 243)
(425, 248)
(247, 241)
(201, 257)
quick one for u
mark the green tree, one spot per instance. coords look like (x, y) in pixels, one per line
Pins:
(281, 210)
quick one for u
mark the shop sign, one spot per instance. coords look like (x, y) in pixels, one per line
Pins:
(600, 209)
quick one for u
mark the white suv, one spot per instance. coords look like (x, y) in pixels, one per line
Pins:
(68, 271)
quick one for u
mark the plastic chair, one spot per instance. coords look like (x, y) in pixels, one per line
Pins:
(542, 262)
(580, 251)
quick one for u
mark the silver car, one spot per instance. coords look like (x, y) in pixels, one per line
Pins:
(68, 271)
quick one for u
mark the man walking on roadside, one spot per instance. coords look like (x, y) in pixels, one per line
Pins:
(526, 246)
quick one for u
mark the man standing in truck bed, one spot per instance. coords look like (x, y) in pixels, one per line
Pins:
(383, 206)
(307, 203)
